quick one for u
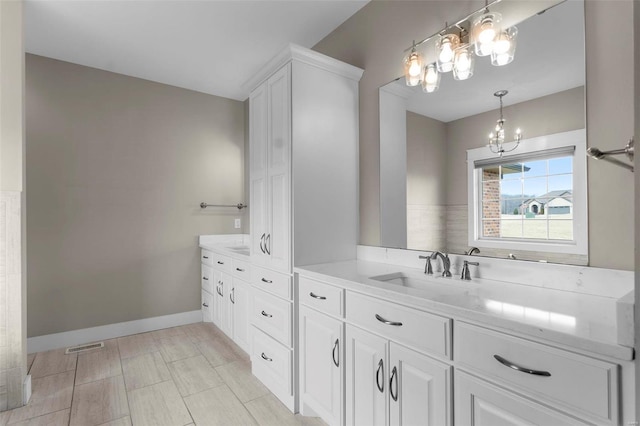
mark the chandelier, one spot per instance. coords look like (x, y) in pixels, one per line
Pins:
(497, 138)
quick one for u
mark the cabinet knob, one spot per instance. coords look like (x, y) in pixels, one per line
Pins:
(266, 358)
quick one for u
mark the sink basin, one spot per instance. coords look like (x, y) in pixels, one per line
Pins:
(240, 249)
(438, 284)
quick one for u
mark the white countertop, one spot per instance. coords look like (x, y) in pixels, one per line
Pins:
(582, 321)
(233, 245)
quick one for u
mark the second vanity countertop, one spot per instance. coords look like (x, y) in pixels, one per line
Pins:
(581, 321)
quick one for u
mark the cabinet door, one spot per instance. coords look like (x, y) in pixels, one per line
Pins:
(207, 306)
(240, 300)
(226, 313)
(480, 403)
(278, 242)
(258, 131)
(217, 308)
(366, 376)
(321, 364)
(419, 388)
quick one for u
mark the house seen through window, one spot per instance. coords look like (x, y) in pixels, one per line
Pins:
(531, 200)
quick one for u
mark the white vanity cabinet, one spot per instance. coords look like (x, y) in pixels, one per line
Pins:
(321, 343)
(206, 281)
(303, 173)
(389, 384)
(576, 385)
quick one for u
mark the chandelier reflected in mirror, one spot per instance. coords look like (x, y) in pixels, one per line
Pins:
(497, 138)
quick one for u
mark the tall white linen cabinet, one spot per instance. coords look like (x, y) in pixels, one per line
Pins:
(303, 125)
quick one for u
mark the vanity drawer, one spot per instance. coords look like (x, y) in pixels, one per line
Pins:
(423, 331)
(272, 315)
(207, 306)
(273, 282)
(272, 363)
(241, 269)
(206, 257)
(206, 278)
(221, 262)
(321, 296)
(559, 376)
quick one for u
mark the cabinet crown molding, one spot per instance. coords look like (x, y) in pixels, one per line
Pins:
(294, 52)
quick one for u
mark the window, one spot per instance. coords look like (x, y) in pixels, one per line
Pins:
(532, 200)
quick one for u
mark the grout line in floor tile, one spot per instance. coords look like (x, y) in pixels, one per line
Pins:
(126, 394)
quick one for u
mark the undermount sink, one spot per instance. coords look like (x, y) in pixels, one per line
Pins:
(240, 249)
(435, 283)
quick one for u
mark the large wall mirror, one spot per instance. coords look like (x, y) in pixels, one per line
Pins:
(424, 137)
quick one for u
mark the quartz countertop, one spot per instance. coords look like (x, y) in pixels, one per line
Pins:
(235, 245)
(581, 321)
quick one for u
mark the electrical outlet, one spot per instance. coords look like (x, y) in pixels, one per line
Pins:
(237, 223)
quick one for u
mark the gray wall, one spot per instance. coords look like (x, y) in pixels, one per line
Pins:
(374, 39)
(636, 22)
(116, 168)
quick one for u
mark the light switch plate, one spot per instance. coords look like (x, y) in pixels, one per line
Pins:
(237, 223)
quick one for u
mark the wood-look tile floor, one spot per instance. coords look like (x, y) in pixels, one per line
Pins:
(189, 375)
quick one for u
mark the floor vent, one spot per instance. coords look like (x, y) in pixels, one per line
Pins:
(83, 348)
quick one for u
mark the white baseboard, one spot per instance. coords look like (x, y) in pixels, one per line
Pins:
(110, 331)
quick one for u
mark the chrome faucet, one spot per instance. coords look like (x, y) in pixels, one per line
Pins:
(428, 269)
(446, 263)
(472, 250)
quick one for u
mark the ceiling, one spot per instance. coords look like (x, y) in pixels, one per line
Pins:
(549, 58)
(208, 46)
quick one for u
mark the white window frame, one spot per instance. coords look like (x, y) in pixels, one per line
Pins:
(576, 139)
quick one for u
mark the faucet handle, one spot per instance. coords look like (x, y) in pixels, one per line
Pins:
(428, 269)
(466, 274)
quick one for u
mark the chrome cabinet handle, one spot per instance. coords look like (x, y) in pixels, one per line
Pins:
(261, 244)
(239, 270)
(315, 296)
(520, 368)
(266, 358)
(384, 321)
(394, 374)
(205, 305)
(336, 346)
(264, 280)
(264, 314)
(205, 278)
(267, 244)
(220, 263)
(380, 369)
(231, 295)
(205, 257)
(219, 290)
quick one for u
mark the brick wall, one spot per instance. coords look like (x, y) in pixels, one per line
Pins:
(491, 203)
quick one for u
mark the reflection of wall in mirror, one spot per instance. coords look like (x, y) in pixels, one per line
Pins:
(436, 168)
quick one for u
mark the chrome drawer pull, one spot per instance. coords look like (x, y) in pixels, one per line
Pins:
(220, 263)
(231, 295)
(380, 369)
(266, 358)
(384, 321)
(315, 296)
(264, 280)
(266, 314)
(521, 369)
(333, 354)
(394, 374)
(239, 270)
(205, 257)
(205, 305)
(205, 278)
